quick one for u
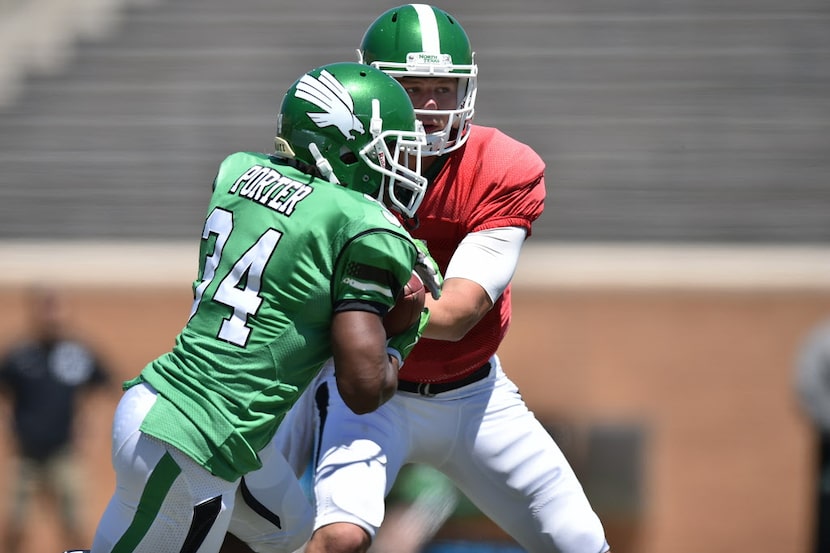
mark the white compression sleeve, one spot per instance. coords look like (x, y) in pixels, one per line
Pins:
(488, 258)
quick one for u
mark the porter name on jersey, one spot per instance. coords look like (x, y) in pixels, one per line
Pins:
(269, 187)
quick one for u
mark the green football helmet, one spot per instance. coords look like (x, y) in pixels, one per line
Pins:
(356, 125)
(419, 40)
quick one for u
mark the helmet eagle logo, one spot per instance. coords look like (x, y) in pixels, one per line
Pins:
(328, 94)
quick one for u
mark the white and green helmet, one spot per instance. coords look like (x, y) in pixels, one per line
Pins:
(356, 125)
(419, 40)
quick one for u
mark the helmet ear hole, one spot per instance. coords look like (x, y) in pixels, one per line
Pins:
(347, 156)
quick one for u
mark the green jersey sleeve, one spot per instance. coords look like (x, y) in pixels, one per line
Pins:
(371, 270)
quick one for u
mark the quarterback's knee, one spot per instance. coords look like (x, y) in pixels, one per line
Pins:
(339, 537)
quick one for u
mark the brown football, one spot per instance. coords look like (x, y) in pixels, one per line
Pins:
(407, 308)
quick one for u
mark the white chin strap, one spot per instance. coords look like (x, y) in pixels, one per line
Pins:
(323, 164)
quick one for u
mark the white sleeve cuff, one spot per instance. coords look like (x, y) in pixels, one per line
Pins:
(488, 258)
(396, 354)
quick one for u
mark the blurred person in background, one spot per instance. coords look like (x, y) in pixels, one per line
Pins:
(45, 378)
(813, 389)
(455, 409)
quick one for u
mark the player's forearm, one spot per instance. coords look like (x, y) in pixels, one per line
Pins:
(479, 271)
(366, 374)
(462, 305)
(364, 394)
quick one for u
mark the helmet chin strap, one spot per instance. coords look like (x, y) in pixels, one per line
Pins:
(323, 164)
(376, 124)
(411, 223)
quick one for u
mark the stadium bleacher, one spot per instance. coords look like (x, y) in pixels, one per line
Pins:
(675, 121)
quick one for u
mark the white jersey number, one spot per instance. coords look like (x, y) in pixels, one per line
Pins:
(240, 289)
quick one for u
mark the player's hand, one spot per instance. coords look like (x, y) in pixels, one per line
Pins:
(400, 345)
(427, 270)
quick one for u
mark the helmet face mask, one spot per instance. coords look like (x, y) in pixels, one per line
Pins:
(356, 125)
(396, 155)
(418, 40)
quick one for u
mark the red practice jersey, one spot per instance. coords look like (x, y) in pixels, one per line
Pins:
(492, 181)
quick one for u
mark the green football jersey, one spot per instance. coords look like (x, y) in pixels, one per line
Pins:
(280, 253)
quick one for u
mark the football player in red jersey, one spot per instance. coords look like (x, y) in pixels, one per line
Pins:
(455, 408)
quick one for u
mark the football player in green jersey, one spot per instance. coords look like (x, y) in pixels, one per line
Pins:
(299, 261)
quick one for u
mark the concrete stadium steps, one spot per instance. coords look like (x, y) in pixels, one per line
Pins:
(688, 120)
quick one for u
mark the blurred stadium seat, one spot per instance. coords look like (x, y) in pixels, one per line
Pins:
(696, 121)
